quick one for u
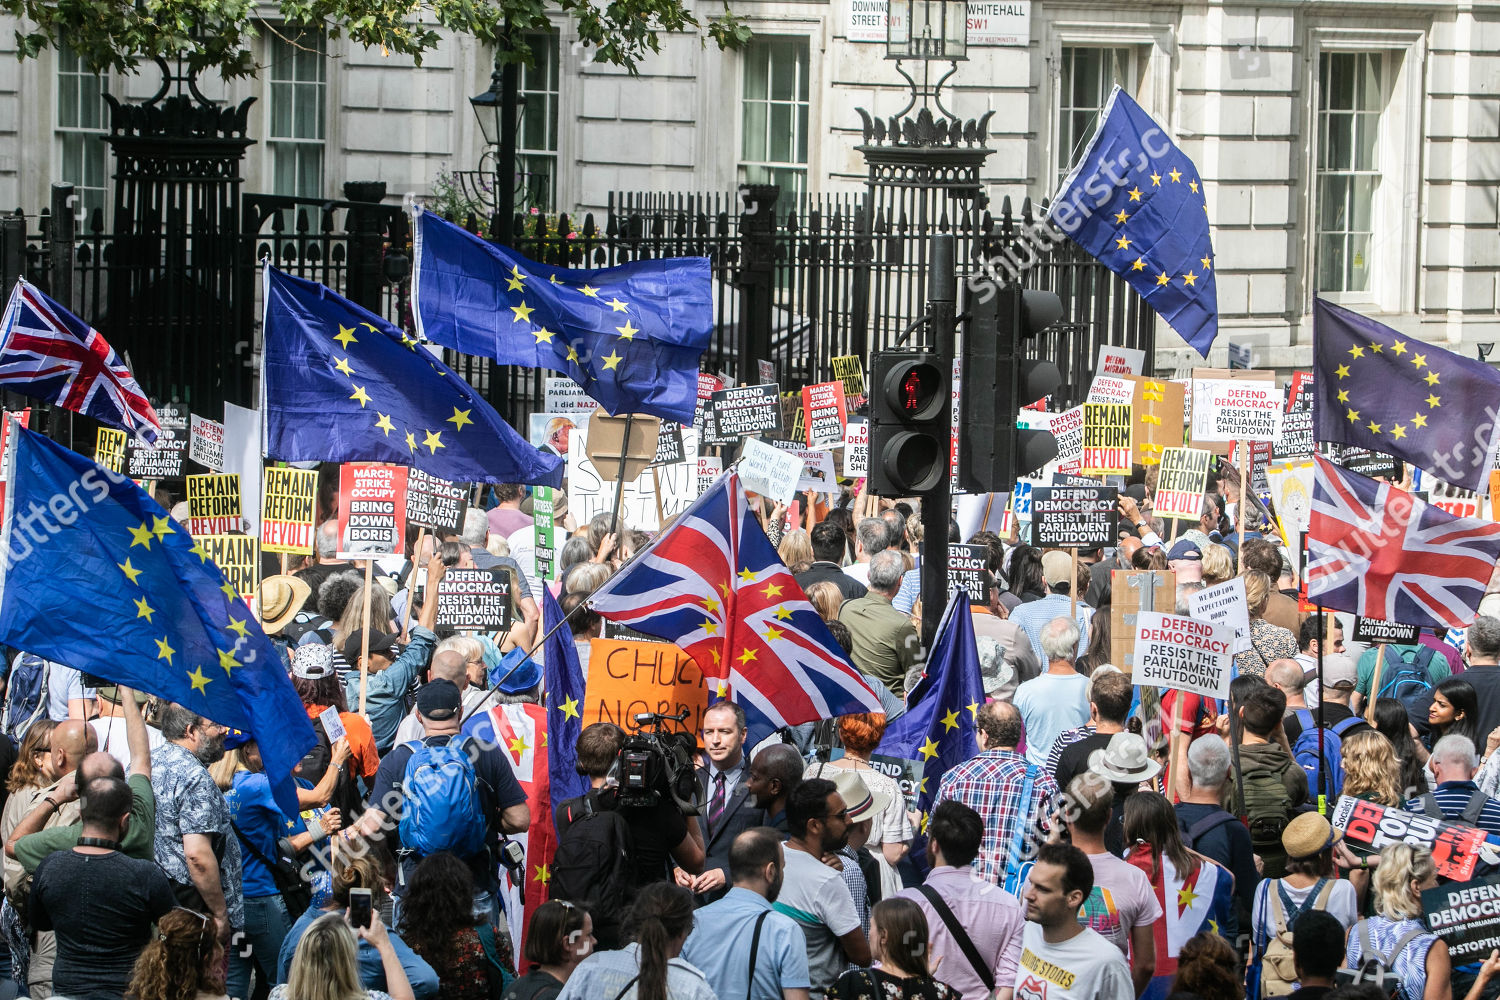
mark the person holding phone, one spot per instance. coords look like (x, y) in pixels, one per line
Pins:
(324, 966)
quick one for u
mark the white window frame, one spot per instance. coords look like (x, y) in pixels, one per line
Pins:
(812, 137)
(1396, 213)
(553, 97)
(88, 138)
(270, 141)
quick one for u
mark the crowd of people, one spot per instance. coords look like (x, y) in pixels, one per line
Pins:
(1106, 841)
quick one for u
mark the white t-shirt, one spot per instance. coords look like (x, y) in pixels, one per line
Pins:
(1050, 705)
(815, 896)
(63, 685)
(1342, 904)
(113, 741)
(1084, 967)
(859, 571)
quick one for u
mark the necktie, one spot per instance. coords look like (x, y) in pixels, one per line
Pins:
(716, 804)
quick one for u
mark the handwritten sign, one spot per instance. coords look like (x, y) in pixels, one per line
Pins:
(289, 508)
(214, 504)
(770, 470)
(1224, 604)
(1241, 409)
(628, 677)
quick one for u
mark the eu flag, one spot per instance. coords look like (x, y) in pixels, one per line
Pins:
(343, 385)
(630, 335)
(99, 577)
(1377, 389)
(937, 728)
(564, 696)
(1135, 202)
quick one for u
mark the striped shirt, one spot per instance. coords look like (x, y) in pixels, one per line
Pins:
(1453, 797)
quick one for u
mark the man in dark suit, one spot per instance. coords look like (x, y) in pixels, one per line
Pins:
(728, 808)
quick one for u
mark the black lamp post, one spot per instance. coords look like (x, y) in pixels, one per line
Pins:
(928, 31)
(498, 112)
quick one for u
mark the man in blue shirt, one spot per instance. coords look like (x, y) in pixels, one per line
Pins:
(390, 673)
(741, 945)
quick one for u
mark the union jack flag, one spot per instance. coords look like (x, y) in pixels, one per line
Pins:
(48, 353)
(1379, 552)
(714, 585)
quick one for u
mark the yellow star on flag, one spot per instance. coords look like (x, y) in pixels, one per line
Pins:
(143, 610)
(627, 332)
(228, 662)
(517, 280)
(200, 682)
(1122, 243)
(930, 748)
(459, 418)
(710, 626)
(346, 336)
(1189, 278)
(543, 335)
(1135, 194)
(1163, 278)
(569, 708)
(1156, 180)
(433, 441)
(617, 305)
(772, 634)
(747, 656)
(711, 603)
(950, 721)
(543, 874)
(773, 590)
(237, 626)
(518, 745)
(1420, 360)
(1377, 348)
(1419, 420)
(974, 710)
(360, 395)
(1121, 216)
(782, 614)
(1176, 175)
(522, 312)
(1431, 378)
(1139, 265)
(161, 527)
(228, 591)
(1343, 395)
(572, 352)
(1354, 416)
(411, 441)
(343, 365)
(199, 551)
(384, 423)
(1398, 348)
(1374, 427)
(141, 536)
(1433, 400)
(1193, 186)
(164, 651)
(1185, 898)
(1398, 431)
(1342, 371)
(746, 576)
(590, 291)
(1356, 351)
(612, 361)
(1205, 262)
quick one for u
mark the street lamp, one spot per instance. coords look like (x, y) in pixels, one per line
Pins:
(499, 111)
(927, 30)
(489, 108)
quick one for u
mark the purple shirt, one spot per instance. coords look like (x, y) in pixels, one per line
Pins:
(1454, 657)
(506, 521)
(993, 918)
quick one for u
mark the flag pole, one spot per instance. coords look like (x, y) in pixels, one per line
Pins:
(1239, 512)
(364, 642)
(1374, 684)
(614, 521)
(479, 706)
(411, 586)
(661, 515)
(1322, 714)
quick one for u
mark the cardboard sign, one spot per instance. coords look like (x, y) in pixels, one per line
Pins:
(589, 494)
(1296, 439)
(1183, 654)
(372, 510)
(435, 503)
(474, 600)
(747, 409)
(1249, 408)
(1224, 604)
(238, 558)
(1135, 591)
(1367, 825)
(824, 415)
(707, 386)
(1119, 361)
(851, 373)
(669, 446)
(1067, 429)
(206, 442)
(1467, 916)
(1182, 483)
(1373, 631)
(1158, 413)
(769, 470)
(544, 529)
(164, 460)
(109, 449)
(1106, 439)
(1074, 517)
(968, 569)
(857, 448)
(214, 504)
(628, 677)
(289, 510)
(709, 468)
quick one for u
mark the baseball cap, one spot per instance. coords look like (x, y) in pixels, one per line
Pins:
(312, 662)
(1184, 549)
(1057, 567)
(236, 739)
(439, 700)
(380, 642)
(1340, 670)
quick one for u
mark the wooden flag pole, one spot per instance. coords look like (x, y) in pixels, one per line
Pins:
(1073, 587)
(283, 564)
(1374, 684)
(661, 515)
(411, 584)
(1239, 508)
(364, 642)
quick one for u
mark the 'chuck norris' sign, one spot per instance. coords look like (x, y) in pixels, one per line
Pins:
(1182, 654)
(1074, 517)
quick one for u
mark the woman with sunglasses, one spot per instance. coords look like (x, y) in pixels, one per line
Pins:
(185, 961)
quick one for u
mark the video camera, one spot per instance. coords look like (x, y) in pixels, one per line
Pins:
(655, 761)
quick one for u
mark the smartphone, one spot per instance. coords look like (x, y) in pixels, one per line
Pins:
(359, 908)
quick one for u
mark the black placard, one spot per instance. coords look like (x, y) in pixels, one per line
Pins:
(435, 503)
(745, 409)
(1074, 517)
(968, 569)
(1296, 439)
(1467, 916)
(1373, 630)
(669, 449)
(614, 630)
(474, 599)
(1363, 461)
(164, 461)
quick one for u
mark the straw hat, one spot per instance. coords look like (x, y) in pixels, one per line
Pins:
(281, 597)
(862, 801)
(1308, 835)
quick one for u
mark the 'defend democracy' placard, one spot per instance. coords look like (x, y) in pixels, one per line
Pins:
(1183, 654)
(1074, 517)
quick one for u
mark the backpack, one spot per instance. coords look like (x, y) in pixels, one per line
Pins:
(1473, 809)
(1376, 967)
(1305, 751)
(592, 866)
(1407, 679)
(303, 623)
(1192, 834)
(1278, 967)
(441, 805)
(25, 695)
(1266, 805)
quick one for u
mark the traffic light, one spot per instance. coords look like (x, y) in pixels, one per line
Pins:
(997, 381)
(909, 428)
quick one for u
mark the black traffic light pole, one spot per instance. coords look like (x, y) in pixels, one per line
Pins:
(937, 503)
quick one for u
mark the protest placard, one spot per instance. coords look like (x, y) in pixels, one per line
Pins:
(164, 459)
(333, 725)
(562, 396)
(206, 442)
(1258, 455)
(589, 494)
(1373, 631)
(709, 468)
(214, 504)
(289, 510)
(1106, 439)
(238, 558)
(1368, 827)
(1134, 592)
(1179, 653)
(669, 446)
(770, 470)
(1296, 439)
(1224, 604)
(823, 414)
(435, 503)
(109, 449)
(1157, 412)
(372, 510)
(968, 569)
(817, 468)
(1455, 500)
(747, 409)
(627, 677)
(1248, 407)
(471, 600)
(1074, 517)
(1067, 429)
(906, 773)
(766, 370)
(1363, 461)
(1467, 916)
(707, 386)
(1119, 361)
(1111, 389)
(544, 532)
(848, 369)
(791, 419)
(856, 448)
(1182, 483)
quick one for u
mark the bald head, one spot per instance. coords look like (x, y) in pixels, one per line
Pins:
(98, 765)
(999, 725)
(1127, 548)
(449, 666)
(71, 740)
(1287, 675)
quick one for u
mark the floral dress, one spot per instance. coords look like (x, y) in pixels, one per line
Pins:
(466, 975)
(872, 984)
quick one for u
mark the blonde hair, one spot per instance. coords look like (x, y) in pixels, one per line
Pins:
(1217, 563)
(222, 770)
(795, 547)
(353, 619)
(1371, 768)
(1257, 592)
(826, 599)
(324, 966)
(464, 645)
(1400, 865)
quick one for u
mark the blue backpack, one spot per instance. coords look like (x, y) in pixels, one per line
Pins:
(1405, 677)
(1305, 751)
(25, 695)
(442, 809)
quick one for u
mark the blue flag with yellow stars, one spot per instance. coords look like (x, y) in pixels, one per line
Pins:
(1377, 389)
(631, 335)
(1135, 202)
(343, 385)
(937, 728)
(100, 578)
(564, 692)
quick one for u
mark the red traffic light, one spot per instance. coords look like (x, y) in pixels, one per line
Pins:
(915, 390)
